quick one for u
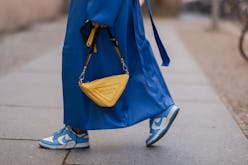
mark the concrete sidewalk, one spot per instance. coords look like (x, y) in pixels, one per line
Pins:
(203, 134)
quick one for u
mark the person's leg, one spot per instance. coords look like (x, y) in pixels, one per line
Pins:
(66, 138)
(160, 124)
(78, 131)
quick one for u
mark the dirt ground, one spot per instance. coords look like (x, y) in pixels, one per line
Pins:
(218, 55)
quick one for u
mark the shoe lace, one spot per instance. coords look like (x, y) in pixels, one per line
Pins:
(59, 132)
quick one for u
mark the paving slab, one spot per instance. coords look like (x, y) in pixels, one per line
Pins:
(28, 153)
(38, 83)
(186, 78)
(19, 47)
(29, 122)
(49, 63)
(202, 135)
(193, 92)
(31, 89)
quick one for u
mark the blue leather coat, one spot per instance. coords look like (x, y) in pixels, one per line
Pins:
(146, 93)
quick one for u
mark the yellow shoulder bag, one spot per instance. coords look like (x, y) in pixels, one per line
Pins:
(105, 92)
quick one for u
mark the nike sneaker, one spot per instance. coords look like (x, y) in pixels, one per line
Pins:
(65, 138)
(160, 124)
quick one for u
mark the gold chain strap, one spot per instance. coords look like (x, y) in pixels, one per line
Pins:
(91, 42)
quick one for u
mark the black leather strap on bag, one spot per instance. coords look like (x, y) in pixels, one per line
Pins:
(92, 40)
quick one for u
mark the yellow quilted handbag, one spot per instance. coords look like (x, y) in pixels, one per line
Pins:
(105, 92)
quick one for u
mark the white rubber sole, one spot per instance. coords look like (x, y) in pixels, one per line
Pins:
(70, 145)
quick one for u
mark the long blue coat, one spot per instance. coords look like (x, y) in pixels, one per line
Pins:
(146, 93)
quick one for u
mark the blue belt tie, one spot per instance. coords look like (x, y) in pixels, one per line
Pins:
(162, 51)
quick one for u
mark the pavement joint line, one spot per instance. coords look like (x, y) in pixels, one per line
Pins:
(18, 139)
(188, 83)
(65, 158)
(39, 72)
(199, 101)
(73, 164)
(179, 72)
(57, 107)
(28, 106)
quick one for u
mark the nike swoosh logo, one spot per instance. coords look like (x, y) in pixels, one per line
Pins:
(64, 138)
(159, 123)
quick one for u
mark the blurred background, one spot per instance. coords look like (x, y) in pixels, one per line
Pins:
(211, 30)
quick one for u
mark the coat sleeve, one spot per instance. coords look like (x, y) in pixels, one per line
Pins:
(103, 11)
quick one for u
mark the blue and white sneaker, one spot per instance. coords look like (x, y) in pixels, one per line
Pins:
(65, 138)
(160, 124)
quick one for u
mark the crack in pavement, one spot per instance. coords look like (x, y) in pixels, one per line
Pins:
(65, 158)
(28, 106)
(19, 139)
